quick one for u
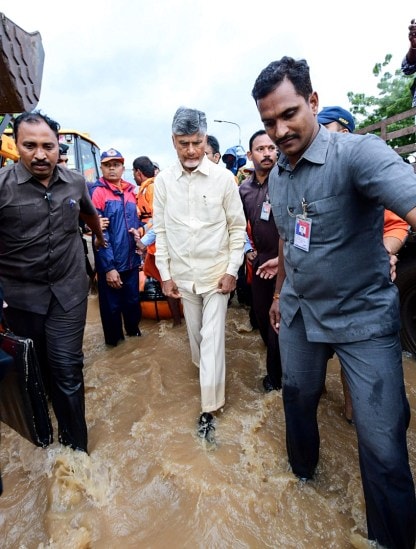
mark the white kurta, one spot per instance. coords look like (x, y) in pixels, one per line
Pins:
(200, 227)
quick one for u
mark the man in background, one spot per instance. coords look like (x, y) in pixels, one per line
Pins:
(254, 193)
(118, 264)
(212, 149)
(63, 154)
(157, 168)
(200, 227)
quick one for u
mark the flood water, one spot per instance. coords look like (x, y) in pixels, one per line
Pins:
(149, 482)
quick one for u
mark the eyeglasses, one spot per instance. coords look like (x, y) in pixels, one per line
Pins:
(62, 161)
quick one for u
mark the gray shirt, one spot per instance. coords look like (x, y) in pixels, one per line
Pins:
(41, 251)
(342, 284)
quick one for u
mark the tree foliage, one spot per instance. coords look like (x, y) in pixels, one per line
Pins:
(394, 97)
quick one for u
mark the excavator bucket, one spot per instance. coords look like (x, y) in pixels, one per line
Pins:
(21, 67)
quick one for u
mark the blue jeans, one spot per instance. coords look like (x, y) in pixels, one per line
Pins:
(373, 369)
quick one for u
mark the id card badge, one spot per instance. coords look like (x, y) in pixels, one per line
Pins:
(302, 232)
(265, 211)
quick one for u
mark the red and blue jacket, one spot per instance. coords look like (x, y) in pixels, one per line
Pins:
(119, 205)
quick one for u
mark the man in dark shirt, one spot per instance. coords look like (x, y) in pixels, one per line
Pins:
(254, 192)
(42, 265)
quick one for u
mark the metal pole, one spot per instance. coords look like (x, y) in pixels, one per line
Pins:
(235, 124)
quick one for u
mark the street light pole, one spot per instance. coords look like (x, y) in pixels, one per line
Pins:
(235, 124)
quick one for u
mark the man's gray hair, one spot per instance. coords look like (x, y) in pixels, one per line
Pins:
(189, 121)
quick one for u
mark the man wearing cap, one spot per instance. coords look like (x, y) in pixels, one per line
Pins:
(117, 265)
(336, 119)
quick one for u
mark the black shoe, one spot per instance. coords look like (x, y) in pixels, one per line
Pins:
(268, 385)
(206, 426)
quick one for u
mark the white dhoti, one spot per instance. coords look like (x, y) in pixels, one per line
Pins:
(205, 322)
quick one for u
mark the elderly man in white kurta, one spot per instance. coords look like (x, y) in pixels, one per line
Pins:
(200, 228)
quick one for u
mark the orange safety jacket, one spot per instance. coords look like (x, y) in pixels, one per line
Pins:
(145, 207)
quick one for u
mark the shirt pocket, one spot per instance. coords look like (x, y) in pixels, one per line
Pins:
(29, 219)
(210, 209)
(70, 215)
(326, 215)
(281, 219)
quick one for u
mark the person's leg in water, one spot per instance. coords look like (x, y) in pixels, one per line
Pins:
(175, 309)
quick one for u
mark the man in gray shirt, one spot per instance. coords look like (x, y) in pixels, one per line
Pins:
(334, 293)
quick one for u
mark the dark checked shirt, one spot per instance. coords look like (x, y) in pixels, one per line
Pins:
(41, 252)
(342, 284)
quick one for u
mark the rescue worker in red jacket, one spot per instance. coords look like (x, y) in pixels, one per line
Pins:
(117, 265)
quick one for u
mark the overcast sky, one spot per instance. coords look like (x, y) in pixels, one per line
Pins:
(120, 69)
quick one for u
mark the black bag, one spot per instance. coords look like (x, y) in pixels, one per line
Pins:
(23, 402)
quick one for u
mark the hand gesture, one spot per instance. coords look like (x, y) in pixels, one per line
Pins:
(268, 269)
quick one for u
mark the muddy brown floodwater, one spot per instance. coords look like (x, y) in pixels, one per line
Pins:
(149, 482)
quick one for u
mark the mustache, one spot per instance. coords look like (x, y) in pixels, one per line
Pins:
(286, 138)
(40, 163)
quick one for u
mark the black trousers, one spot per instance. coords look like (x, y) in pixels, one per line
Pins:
(262, 296)
(58, 337)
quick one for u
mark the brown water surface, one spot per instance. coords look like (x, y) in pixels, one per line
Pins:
(149, 482)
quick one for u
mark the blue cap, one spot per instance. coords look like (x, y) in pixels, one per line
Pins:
(337, 114)
(111, 154)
